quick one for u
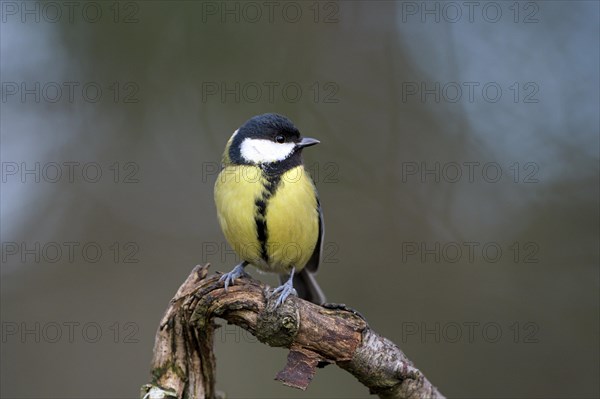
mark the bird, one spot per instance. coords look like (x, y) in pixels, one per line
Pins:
(268, 206)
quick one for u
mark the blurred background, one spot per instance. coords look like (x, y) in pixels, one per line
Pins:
(458, 171)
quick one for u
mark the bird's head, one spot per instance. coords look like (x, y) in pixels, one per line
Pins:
(267, 140)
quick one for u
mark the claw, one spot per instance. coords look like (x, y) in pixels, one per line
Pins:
(237, 272)
(284, 290)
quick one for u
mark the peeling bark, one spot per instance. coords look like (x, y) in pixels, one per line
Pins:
(184, 364)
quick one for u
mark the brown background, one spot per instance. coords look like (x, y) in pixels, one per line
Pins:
(534, 324)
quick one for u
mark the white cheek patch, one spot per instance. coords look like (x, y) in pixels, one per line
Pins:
(263, 151)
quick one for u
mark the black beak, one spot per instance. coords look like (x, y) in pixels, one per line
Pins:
(307, 142)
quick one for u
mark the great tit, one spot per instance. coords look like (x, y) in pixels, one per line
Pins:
(268, 206)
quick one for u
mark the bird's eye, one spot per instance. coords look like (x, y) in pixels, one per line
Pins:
(280, 139)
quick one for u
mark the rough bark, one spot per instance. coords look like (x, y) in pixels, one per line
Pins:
(184, 364)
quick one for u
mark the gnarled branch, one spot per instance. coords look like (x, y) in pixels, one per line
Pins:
(184, 364)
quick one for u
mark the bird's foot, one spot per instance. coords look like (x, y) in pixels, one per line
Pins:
(284, 290)
(237, 272)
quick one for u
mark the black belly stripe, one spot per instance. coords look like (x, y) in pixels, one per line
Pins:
(270, 185)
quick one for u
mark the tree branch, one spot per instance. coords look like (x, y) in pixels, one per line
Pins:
(184, 364)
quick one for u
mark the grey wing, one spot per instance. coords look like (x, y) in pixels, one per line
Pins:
(313, 262)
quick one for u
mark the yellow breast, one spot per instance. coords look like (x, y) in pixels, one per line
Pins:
(281, 235)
